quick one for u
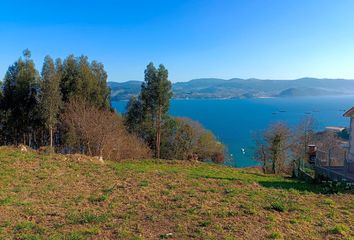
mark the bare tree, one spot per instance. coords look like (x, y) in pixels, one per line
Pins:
(329, 144)
(100, 132)
(261, 153)
(302, 136)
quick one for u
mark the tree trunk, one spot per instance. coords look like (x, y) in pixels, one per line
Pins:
(264, 156)
(29, 140)
(158, 132)
(51, 136)
(274, 166)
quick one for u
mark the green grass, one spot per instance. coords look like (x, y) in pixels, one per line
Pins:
(340, 229)
(86, 217)
(63, 197)
(278, 206)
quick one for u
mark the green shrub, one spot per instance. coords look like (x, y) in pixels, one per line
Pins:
(339, 229)
(205, 223)
(278, 206)
(275, 235)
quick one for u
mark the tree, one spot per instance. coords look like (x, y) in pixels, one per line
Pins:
(329, 147)
(84, 80)
(272, 148)
(2, 118)
(170, 138)
(100, 132)
(185, 139)
(101, 91)
(261, 153)
(134, 116)
(155, 95)
(50, 96)
(20, 101)
(178, 139)
(277, 138)
(69, 78)
(302, 136)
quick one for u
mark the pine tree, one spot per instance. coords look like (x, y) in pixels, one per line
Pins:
(50, 96)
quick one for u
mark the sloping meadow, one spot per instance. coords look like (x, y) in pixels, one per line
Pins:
(71, 197)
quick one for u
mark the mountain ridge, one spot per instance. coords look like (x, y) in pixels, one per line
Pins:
(218, 88)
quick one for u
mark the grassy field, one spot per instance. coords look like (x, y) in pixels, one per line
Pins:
(75, 197)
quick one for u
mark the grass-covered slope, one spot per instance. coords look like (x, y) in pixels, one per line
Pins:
(71, 197)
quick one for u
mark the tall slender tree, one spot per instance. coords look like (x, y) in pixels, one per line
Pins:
(50, 96)
(101, 92)
(156, 94)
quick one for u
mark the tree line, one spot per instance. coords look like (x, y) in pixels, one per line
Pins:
(67, 107)
(281, 149)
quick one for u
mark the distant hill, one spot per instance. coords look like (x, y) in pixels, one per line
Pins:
(300, 92)
(124, 90)
(216, 88)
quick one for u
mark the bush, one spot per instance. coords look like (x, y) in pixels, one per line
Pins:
(185, 139)
(99, 132)
(339, 229)
(278, 206)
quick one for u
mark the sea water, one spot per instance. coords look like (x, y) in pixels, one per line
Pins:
(235, 122)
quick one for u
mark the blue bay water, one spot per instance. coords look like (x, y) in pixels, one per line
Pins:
(235, 121)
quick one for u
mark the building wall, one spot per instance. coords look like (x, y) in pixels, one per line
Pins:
(351, 140)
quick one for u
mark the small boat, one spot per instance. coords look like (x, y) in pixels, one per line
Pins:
(243, 151)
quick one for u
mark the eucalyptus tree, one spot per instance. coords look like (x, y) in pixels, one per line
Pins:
(84, 80)
(50, 96)
(156, 92)
(20, 101)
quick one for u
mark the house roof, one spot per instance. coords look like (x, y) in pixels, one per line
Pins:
(349, 113)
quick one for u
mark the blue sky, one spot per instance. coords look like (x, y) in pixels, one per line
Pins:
(268, 39)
